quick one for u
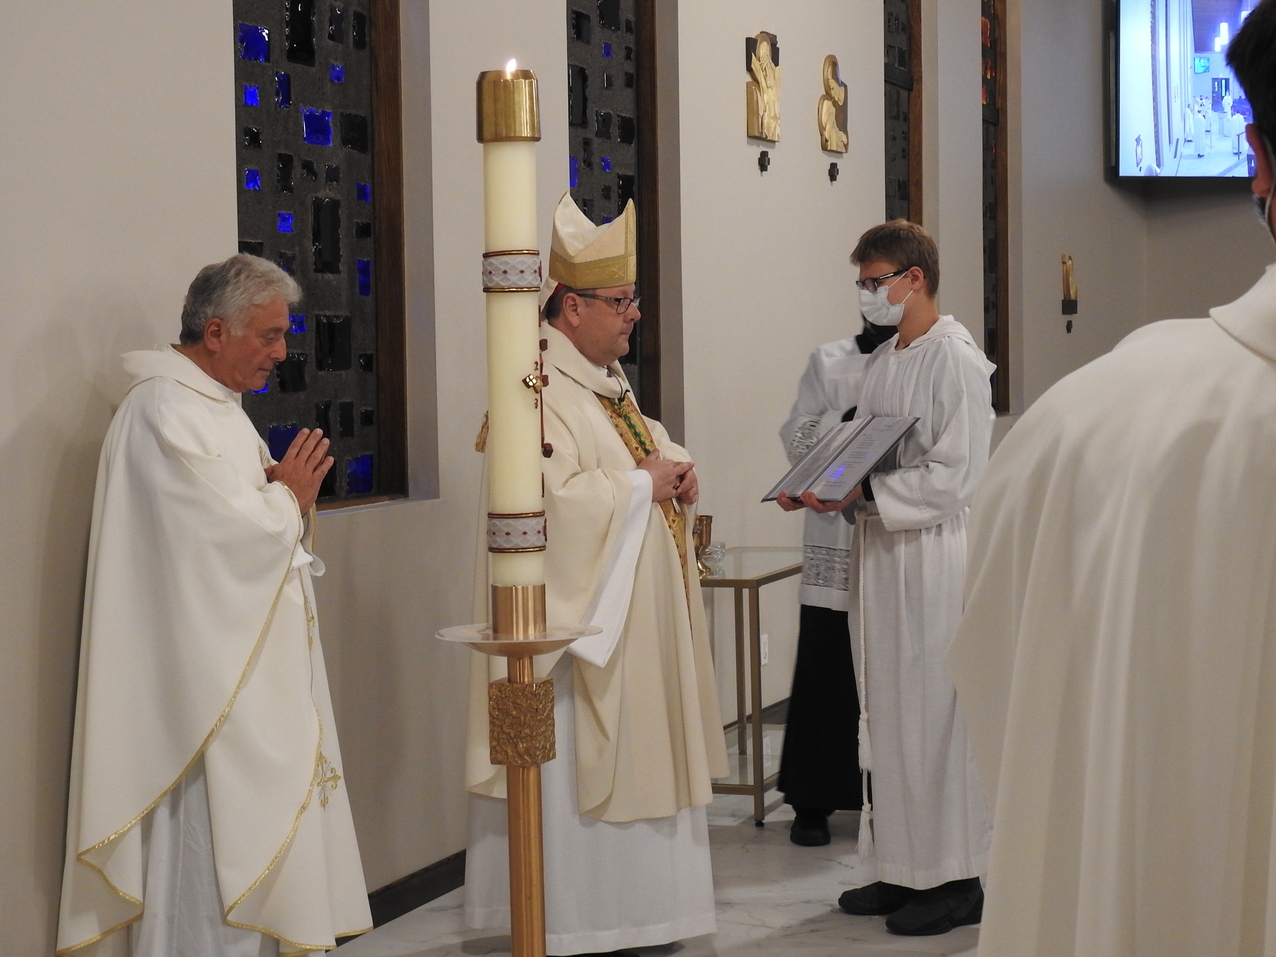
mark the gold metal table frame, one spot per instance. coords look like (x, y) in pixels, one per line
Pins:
(745, 569)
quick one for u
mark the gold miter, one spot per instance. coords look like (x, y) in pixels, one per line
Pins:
(585, 256)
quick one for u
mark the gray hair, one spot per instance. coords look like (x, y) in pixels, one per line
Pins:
(228, 290)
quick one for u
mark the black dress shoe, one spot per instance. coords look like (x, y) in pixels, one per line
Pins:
(873, 900)
(810, 827)
(938, 910)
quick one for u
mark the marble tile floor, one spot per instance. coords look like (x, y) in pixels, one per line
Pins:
(774, 898)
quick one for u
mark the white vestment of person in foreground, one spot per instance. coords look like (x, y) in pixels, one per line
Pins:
(639, 731)
(200, 662)
(1117, 663)
(930, 824)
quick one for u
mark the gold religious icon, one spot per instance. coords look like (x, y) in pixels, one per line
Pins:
(832, 109)
(1069, 286)
(762, 93)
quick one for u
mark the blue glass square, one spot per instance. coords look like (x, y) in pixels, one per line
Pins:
(575, 172)
(363, 269)
(363, 192)
(606, 219)
(254, 43)
(337, 73)
(604, 163)
(359, 475)
(252, 96)
(283, 90)
(316, 126)
(279, 437)
(606, 48)
(285, 222)
(252, 179)
(296, 323)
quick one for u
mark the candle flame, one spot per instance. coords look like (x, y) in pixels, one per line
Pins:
(511, 66)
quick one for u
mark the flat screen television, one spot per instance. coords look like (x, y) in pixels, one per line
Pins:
(1176, 108)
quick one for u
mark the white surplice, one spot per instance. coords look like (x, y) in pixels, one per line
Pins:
(829, 388)
(1117, 663)
(638, 729)
(200, 646)
(929, 818)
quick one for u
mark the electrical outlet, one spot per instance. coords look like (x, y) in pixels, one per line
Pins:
(766, 650)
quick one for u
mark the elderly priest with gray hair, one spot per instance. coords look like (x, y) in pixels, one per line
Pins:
(208, 813)
(636, 709)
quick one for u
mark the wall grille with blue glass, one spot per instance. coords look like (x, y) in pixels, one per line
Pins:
(304, 76)
(602, 108)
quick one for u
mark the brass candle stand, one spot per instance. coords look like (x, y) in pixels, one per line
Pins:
(520, 707)
(520, 713)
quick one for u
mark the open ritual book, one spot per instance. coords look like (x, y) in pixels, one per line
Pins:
(842, 457)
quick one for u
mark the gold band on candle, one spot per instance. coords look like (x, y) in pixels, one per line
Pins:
(518, 611)
(508, 108)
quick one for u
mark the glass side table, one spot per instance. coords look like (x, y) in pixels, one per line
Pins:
(745, 569)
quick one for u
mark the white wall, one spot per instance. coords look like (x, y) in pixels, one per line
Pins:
(119, 183)
(1062, 203)
(952, 144)
(1146, 252)
(765, 275)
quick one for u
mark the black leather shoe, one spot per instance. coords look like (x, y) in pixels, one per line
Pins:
(938, 910)
(810, 827)
(873, 900)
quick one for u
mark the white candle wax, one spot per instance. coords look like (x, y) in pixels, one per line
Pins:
(514, 422)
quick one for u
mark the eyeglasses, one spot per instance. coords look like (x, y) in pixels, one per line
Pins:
(622, 303)
(870, 285)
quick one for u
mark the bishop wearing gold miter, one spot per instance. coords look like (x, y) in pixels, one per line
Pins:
(636, 708)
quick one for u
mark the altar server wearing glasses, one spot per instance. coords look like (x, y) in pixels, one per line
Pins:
(1118, 657)
(927, 827)
(638, 726)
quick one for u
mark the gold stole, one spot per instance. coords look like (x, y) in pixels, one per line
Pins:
(632, 429)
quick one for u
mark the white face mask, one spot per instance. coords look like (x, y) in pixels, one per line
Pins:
(878, 309)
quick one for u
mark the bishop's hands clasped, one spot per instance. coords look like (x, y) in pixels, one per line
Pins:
(808, 500)
(303, 467)
(671, 479)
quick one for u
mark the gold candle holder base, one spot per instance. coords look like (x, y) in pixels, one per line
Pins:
(521, 738)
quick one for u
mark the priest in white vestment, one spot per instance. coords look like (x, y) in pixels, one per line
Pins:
(208, 814)
(638, 726)
(1117, 663)
(929, 827)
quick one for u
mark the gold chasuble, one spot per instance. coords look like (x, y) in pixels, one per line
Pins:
(648, 728)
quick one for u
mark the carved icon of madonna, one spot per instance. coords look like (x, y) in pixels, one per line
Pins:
(832, 109)
(762, 93)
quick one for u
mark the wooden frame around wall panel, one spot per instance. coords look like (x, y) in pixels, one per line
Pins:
(1001, 401)
(916, 160)
(387, 99)
(388, 258)
(648, 204)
